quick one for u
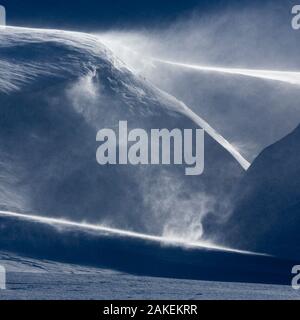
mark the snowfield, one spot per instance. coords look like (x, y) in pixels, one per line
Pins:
(41, 279)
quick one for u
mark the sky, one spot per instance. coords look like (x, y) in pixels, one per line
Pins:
(98, 14)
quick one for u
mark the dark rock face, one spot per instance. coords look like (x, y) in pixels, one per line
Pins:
(267, 214)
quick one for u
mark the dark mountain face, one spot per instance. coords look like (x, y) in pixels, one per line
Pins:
(267, 214)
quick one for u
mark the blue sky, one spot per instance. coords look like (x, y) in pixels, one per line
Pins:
(95, 14)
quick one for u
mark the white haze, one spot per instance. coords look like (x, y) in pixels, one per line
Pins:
(230, 67)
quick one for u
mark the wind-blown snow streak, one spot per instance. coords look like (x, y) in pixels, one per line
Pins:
(117, 232)
(283, 76)
(217, 137)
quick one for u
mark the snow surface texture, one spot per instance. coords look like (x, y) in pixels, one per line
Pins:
(42, 279)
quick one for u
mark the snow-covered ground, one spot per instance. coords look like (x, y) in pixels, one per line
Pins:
(33, 279)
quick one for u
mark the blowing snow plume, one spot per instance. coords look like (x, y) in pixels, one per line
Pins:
(283, 76)
(227, 67)
(93, 245)
(103, 230)
(57, 89)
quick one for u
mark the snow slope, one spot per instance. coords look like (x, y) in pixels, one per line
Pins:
(58, 89)
(15, 75)
(100, 247)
